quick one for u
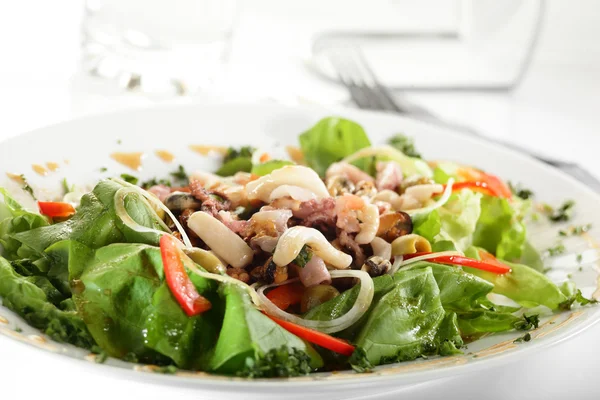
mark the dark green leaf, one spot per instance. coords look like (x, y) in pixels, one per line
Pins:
(332, 139)
(405, 144)
(280, 362)
(303, 257)
(129, 179)
(247, 333)
(240, 164)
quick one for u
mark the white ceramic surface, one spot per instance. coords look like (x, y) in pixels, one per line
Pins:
(87, 143)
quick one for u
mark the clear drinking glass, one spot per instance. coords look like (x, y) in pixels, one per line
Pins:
(158, 45)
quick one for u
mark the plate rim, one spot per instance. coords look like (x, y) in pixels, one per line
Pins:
(314, 381)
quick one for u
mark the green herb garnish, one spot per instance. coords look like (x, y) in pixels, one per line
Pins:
(520, 192)
(575, 230)
(528, 322)
(556, 250)
(303, 257)
(277, 363)
(562, 213)
(26, 186)
(244, 151)
(129, 179)
(405, 144)
(103, 169)
(66, 187)
(525, 338)
(577, 297)
(180, 175)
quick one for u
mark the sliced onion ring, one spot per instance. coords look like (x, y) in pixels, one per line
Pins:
(121, 212)
(428, 256)
(160, 204)
(439, 203)
(396, 265)
(223, 278)
(362, 304)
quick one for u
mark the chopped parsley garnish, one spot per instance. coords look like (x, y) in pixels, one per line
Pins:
(303, 257)
(528, 322)
(575, 230)
(405, 144)
(359, 361)
(103, 169)
(579, 258)
(232, 153)
(26, 186)
(66, 187)
(18, 329)
(129, 179)
(155, 182)
(180, 175)
(525, 338)
(520, 192)
(562, 213)
(556, 250)
(576, 298)
(277, 363)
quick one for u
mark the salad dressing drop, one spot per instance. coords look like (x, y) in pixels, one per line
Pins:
(130, 160)
(52, 166)
(165, 155)
(205, 150)
(16, 178)
(39, 169)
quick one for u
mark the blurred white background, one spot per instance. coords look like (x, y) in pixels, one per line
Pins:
(554, 110)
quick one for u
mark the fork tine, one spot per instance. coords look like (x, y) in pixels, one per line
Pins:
(339, 63)
(383, 95)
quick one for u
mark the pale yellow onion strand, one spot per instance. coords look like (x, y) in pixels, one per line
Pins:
(160, 204)
(439, 203)
(361, 305)
(428, 256)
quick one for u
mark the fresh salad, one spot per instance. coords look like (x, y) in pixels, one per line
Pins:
(348, 255)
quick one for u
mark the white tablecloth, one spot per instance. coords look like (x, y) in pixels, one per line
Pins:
(555, 111)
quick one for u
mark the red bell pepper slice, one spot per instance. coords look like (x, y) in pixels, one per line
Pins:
(483, 182)
(476, 186)
(178, 280)
(55, 209)
(319, 338)
(286, 295)
(485, 264)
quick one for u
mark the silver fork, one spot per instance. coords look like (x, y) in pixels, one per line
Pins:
(367, 92)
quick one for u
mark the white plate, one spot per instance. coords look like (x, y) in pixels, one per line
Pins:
(82, 147)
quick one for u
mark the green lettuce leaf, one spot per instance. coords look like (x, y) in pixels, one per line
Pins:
(95, 224)
(269, 166)
(403, 324)
(247, 336)
(427, 225)
(332, 139)
(481, 321)
(36, 300)
(458, 218)
(523, 284)
(499, 231)
(14, 219)
(123, 299)
(459, 290)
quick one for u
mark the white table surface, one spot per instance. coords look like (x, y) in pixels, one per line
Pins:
(555, 111)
